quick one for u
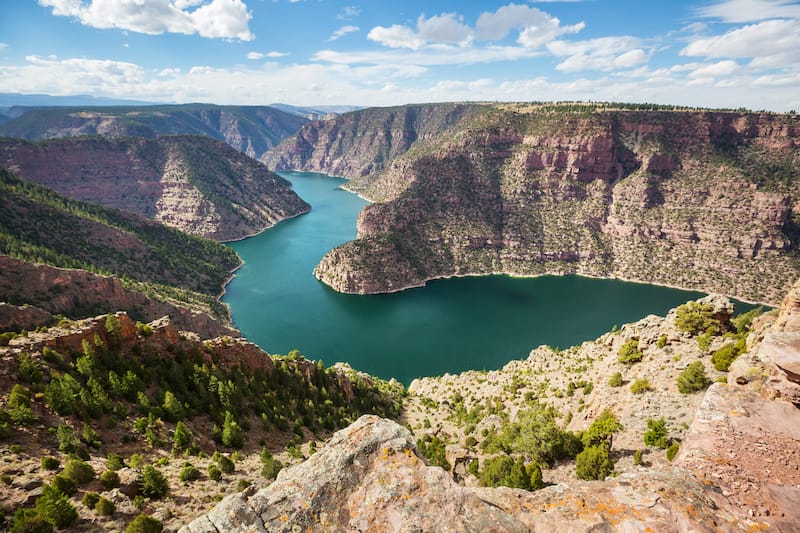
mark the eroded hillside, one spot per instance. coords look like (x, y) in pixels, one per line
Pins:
(195, 184)
(154, 268)
(699, 200)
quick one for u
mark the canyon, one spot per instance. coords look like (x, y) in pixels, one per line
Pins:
(195, 184)
(702, 200)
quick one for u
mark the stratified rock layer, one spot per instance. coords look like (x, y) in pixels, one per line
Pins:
(700, 200)
(195, 184)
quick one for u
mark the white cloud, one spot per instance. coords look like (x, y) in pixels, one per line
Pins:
(275, 54)
(348, 12)
(207, 18)
(750, 10)
(536, 27)
(772, 43)
(604, 53)
(715, 70)
(255, 56)
(387, 84)
(341, 32)
(396, 36)
(3, 45)
(444, 28)
(431, 56)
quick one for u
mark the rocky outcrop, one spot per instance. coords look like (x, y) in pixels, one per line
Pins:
(369, 477)
(363, 142)
(195, 184)
(251, 130)
(78, 294)
(19, 317)
(699, 200)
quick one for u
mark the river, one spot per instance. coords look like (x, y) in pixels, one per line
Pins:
(449, 325)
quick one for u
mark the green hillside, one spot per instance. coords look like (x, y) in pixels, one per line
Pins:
(41, 226)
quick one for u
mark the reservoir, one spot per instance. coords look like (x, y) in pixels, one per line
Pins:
(450, 325)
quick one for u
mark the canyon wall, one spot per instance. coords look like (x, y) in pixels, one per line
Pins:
(195, 184)
(697, 199)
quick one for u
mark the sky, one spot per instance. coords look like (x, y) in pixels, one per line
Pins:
(707, 53)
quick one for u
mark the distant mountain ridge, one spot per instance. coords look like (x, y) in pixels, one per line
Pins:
(252, 130)
(195, 184)
(320, 112)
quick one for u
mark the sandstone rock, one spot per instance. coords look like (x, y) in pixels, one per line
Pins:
(67, 291)
(13, 317)
(558, 193)
(369, 478)
(196, 184)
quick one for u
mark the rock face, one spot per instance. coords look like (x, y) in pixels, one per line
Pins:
(194, 184)
(77, 294)
(700, 200)
(370, 478)
(250, 129)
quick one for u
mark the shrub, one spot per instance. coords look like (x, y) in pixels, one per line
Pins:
(182, 440)
(693, 378)
(662, 341)
(271, 465)
(105, 507)
(225, 463)
(594, 463)
(656, 434)
(232, 435)
(152, 483)
(637, 458)
(79, 471)
(64, 485)
(61, 394)
(114, 461)
(615, 380)
(27, 521)
(90, 499)
(672, 451)
(432, 448)
(695, 318)
(505, 471)
(723, 357)
(54, 507)
(629, 352)
(109, 479)
(19, 396)
(144, 524)
(214, 473)
(243, 484)
(50, 463)
(145, 330)
(189, 472)
(641, 385)
(91, 437)
(602, 430)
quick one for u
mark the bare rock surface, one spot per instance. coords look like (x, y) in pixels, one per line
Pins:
(370, 478)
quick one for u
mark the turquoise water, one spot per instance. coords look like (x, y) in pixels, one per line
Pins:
(448, 326)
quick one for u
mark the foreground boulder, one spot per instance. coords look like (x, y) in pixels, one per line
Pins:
(369, 477)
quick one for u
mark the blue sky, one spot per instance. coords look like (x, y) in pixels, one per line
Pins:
(715, 53)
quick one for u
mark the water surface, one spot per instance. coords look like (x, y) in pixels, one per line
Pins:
(450, 325)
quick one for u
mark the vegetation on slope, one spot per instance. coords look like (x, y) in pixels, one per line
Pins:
(130, 397)
(41, 226)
